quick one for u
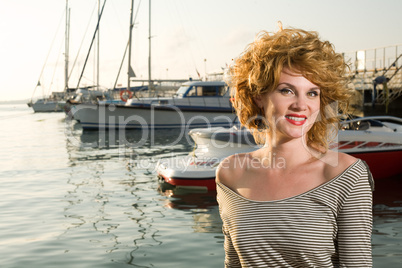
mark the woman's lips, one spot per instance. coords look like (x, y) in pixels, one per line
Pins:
(296, 119)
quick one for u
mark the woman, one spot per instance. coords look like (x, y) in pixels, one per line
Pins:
(294, 202)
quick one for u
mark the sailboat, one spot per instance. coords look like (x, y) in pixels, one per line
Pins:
(195, 104)
(54, 103)
(90, 94)
(57, 100)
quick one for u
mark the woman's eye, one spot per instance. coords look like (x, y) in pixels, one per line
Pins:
(313, 94)
(285, 91)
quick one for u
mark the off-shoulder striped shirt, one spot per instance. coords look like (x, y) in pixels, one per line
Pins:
(328, 226)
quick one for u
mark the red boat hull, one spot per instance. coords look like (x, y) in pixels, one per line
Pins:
(203, 183)
(382, 165)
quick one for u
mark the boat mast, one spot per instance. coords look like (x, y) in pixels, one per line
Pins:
(97, 60)
(150, 83)
(129, 45)
(66, 47)
(92, 41)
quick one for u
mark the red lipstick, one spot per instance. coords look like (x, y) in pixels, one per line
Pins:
(296, 119)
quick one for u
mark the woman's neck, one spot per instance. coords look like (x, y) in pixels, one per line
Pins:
(292, 151)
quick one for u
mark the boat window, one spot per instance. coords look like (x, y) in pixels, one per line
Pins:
(356, 125)
(222, 90)
(202, 91)
(209, 91)
(195, 92)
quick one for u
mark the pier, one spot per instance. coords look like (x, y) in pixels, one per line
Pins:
(376, 75)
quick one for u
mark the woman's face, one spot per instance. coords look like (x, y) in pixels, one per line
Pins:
(293, 106)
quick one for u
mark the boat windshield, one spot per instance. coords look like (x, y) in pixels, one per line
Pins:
(201, 91)
(181, 91)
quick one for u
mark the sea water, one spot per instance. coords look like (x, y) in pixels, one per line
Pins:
(72, 198)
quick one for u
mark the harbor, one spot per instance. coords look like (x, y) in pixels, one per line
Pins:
(74, 198)
(79, 194)
(115, 116)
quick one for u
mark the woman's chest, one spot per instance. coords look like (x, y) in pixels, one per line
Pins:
(284, 224)
(269, 186)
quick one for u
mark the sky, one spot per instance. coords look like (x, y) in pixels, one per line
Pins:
(187, 36)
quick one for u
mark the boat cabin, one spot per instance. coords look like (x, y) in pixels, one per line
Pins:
(202, 89)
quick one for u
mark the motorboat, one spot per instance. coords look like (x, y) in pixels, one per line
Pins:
(197, 169)
(195, 104)
(374, 139)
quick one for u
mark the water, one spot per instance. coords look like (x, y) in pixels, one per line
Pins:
(92, 199)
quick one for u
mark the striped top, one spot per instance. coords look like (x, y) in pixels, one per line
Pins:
(328, 226)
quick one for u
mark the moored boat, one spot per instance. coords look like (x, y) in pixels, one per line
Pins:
(376, 140)
(54, 103)
(195, 104)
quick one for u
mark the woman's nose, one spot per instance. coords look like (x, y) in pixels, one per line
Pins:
(300, 103)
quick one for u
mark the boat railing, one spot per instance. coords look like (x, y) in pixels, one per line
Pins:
(369, 64)
(174, 100)
(374, 60)
(373, 123)
(386, 118)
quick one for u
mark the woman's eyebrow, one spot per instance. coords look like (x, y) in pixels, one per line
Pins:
(287, 84)
(292, 86)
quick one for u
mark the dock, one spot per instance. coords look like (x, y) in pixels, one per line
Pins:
(375, 75)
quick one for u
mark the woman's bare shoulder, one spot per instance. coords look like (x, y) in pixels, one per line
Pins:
(231, 168)
(336, 163)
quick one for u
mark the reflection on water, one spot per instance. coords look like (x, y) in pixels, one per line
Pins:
(118, 200)
(182, 198)
(116, 143)
(74, 198)
(202, 204)
(387, 230)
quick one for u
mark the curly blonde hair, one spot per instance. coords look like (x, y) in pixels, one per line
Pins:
(258, 69)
